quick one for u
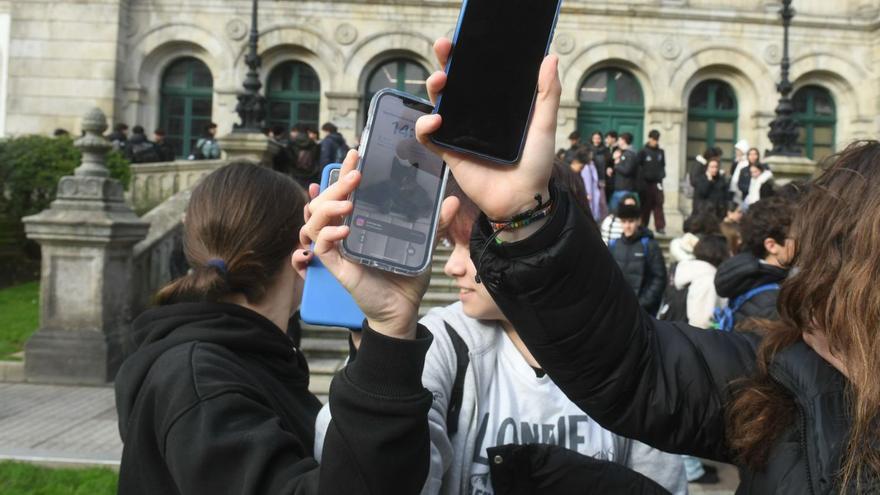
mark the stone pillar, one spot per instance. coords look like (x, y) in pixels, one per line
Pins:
(245, 145)
(344, 114)
(86, 236)
(791, 168)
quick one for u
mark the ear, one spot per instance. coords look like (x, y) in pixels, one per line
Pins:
(771, 246)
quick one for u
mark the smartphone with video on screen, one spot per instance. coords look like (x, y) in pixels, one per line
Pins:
(325, 301)
(492, 76)
(397, 204)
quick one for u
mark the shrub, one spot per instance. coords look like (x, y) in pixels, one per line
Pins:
(30, 167)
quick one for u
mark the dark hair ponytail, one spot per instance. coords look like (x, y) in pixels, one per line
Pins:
(241, 226)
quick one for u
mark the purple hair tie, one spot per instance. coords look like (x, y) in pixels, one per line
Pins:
(218, 264)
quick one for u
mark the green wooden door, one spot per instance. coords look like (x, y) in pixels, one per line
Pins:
(186, 103)
(712, 121)
(294, 94)
(815, 110)
(400, 74)
(611, 99)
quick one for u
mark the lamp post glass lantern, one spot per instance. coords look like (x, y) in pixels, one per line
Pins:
(784, 128)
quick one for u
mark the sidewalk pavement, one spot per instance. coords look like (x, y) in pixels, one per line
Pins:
(68, 426)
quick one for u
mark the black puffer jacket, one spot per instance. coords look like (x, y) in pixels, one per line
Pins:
(665, 384)
(743, 273)
(641, 262)
(551, 469)
(626, 171)
(710, 193)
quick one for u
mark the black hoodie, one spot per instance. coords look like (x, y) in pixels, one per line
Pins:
(742, 273)
(216, 400)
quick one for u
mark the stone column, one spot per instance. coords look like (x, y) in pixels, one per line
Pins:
(245, 146)
(344, 114)
(86, 236)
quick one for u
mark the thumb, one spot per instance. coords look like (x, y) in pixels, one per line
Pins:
(549, 92)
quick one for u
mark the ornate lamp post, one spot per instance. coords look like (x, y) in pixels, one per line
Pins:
(251, 105)
(784, 128)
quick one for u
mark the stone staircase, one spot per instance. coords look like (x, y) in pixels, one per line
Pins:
(327, 348)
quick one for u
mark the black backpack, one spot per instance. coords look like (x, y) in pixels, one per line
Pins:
(674, 306)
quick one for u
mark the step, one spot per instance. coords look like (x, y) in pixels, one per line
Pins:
(326, 366)
(320, 384)
(318, 348)
(321, 332)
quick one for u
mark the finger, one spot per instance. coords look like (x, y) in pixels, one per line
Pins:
(325, 247)
(425, 126)
(314, 191)
(325, 214)
(300, 261)
(307, 213)
(435, 84)
(350, 162)
(549, 92)
(442, 49)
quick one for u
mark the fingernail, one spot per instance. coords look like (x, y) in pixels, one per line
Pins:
(351, 175)
(307, 253)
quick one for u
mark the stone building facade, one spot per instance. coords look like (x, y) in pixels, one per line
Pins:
(703, 72)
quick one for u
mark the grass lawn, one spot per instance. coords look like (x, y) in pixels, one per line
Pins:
(19, 318)
(27, 479)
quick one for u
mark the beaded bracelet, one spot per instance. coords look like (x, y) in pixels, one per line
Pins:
(525, 218)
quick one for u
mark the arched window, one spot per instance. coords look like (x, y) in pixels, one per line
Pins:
(712, 120)
(611, 99)
(294, 94)
(814, 108)
(185, 108)
(401, 74)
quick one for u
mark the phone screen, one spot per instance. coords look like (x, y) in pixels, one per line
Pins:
(395, 205)
(493, 75)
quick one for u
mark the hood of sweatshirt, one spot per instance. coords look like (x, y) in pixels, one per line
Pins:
(743, 272)
(234, 327)
(688, 271)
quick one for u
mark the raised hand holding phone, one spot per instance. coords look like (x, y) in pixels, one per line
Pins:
(390, 302)
(502, 191)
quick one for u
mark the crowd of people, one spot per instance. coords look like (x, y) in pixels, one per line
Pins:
(139, 148)
(301, 154)
(568, 365)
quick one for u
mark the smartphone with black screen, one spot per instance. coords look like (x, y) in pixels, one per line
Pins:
(396, 207)
(492, 76)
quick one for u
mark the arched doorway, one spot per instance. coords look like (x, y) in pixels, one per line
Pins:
(815, 110)
(401, 74)
(712, 121)
(294, 95)
(611, 99)
(186, 102)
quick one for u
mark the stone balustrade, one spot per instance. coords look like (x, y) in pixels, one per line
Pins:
(153, 183)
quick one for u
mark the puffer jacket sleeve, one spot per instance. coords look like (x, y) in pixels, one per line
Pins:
(664, 384)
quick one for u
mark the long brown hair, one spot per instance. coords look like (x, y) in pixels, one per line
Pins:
(834, 291)
(241, 225)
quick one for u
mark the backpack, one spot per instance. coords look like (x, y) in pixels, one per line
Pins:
(145, 152)
(724, 320)
(674, 306)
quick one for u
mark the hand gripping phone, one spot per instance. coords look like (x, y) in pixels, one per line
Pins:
(325, 302)
(492, 76)
(397, 204)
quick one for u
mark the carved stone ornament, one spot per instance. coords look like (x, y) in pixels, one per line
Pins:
(670, 49)
(346, 34)
(565, 43)
(236, 29)
(772, 54)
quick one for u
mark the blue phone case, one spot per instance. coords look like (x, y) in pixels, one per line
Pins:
(449, 65)
(325, 302)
